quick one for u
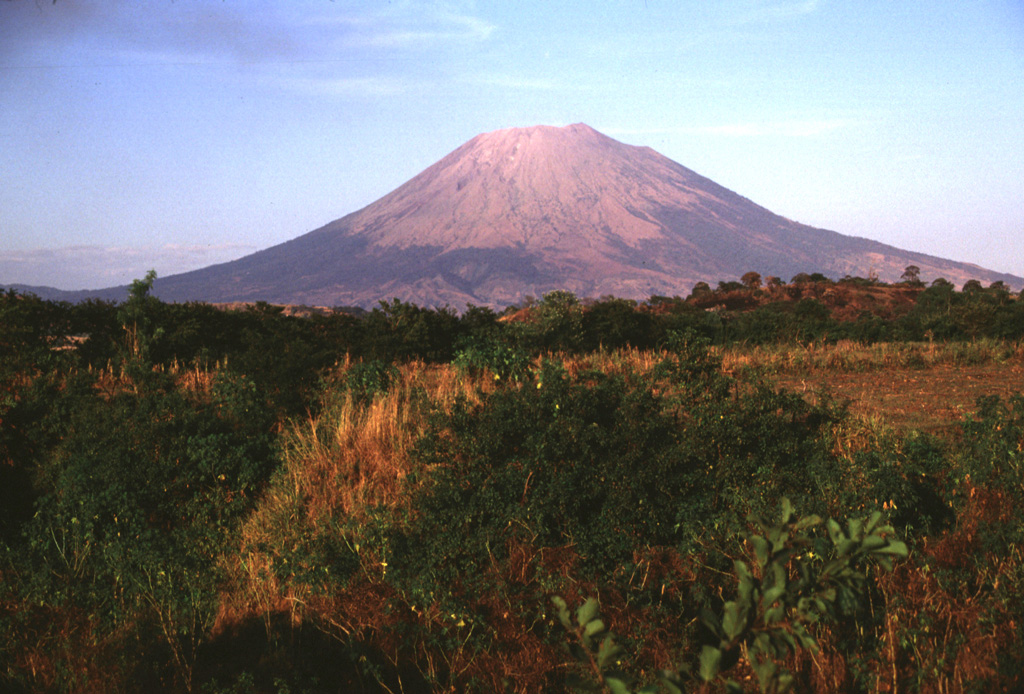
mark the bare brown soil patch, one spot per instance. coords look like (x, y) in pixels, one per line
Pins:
(933, 400)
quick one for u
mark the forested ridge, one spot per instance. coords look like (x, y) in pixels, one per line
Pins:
(567, 495)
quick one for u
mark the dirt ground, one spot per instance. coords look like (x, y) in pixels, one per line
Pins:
(933, 400)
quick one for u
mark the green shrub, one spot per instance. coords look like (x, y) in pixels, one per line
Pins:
(400, 331)
(554, 463)
(507, 363)
(138, 495)
(992, 459)
(798, 581)
(616, 323)
(321, 558)
(993, 439)
(555, 324)
(755, 444)
(369, 378)
(650, 457)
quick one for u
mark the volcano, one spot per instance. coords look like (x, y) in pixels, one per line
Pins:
(525, 211)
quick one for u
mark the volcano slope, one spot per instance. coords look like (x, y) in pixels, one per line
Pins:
(525, 211)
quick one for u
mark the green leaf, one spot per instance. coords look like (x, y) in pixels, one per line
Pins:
(833, 568)
(733, 620)
(774, 614)
(808, 522)
(765, 670)
(835, 532)
(872, 542)
(747, 584)
(762, 643)
(668, 679)
(772, 595)
(594, 626)
(894, 547)
(607, 652)
(805, 639)
(871, 521)
(587, 611)
(845, 547)
(779, 538)
(563, 611)
(711, 621)
(616, 685)
(710, 661)
(761, 549)
(787, 510)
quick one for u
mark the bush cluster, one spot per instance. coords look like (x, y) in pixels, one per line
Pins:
(560, 522)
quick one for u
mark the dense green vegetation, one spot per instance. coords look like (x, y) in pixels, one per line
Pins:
(570, 495)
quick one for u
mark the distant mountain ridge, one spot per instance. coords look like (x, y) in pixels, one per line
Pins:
(70, 295)
(525, 211)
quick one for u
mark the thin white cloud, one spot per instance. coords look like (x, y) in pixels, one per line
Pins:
(413, 26)
(116, 33)
(419, 38)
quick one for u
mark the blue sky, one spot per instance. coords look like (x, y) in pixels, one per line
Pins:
(175, 134)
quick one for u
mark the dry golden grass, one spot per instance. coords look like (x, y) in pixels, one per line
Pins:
(338, 464)
(112, 380)
(615, 362)
(193, 378)
(356, 454)
(943, 637)
(849, 356)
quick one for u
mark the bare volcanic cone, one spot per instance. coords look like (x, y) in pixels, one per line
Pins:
(529, 210)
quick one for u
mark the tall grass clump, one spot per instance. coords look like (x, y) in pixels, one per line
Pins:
(353, 453)
(351, 456)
